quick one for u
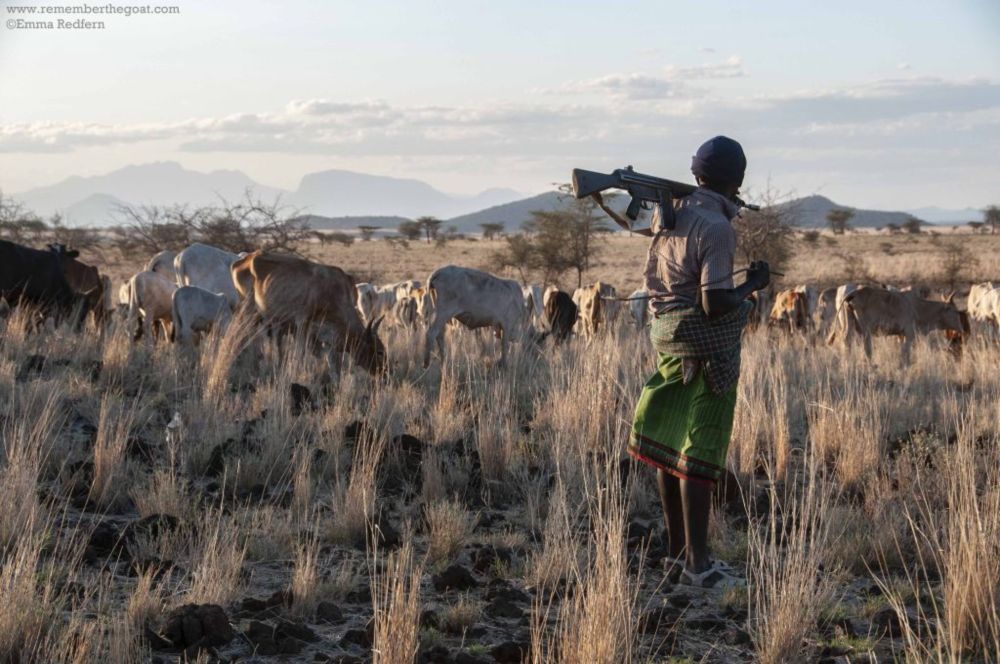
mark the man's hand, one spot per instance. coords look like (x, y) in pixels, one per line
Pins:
(759, 274)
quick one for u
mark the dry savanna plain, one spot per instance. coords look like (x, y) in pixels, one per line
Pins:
(240, 503)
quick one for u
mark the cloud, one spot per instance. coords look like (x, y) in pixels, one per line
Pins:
(630, 86)
(731, 68)
(904, 66)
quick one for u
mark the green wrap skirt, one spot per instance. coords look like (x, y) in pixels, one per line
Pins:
(682, 429)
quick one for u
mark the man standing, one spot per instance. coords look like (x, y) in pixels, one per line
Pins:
(684, 416)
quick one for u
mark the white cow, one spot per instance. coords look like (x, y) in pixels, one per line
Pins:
(549, 292)
(638, 307)
(535, 302)
(207, 267)
(476, 299)
(404, 288)
(163, 264)
(367, 301)
(843, 292)
(385, 300)
(150, 297)
(984, 307)
(195, 311)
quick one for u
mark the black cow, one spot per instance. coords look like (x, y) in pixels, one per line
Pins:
(37, 278)
(561, 313)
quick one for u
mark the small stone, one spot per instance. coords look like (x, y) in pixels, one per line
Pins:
(295, 630)
(501, 608)
(657, 619)
(888, 622)
(510, 652)
(328, 612)
(454, 577)
(301, 399)
(198, 626)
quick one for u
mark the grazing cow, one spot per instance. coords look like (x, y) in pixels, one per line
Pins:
(404, 288)
(163, 264)
(869, 311)
(195, 311)
(367, 300)
(37, 278)
(549, 292)
(404, 312)
(561, 314)
(83, 278)
(476, 299)
(385, 300)
(984, 306)
(596, 308)
(123, 294)
(638, 307)
(150, 301)
(534, 301)
(761, 308)
(826, 310)
(425, 305)
(209, 268)
(293, 292)
(791, 310)
(242, 280)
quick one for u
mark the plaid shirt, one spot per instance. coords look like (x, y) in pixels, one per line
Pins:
(712, 344)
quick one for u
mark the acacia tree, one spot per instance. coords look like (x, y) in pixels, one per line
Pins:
(367, 232)
(410, 230)
(839, 220)
(991, 218)
(912, 226)
(430, 227)
(767, 234)
(491, 230)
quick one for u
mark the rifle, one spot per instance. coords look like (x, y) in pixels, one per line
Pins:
(645, 190)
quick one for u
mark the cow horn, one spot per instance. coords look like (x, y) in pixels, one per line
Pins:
(374, 325)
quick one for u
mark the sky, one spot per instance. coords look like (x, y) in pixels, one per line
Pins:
(887, 104)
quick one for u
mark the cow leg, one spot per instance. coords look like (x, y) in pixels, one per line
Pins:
(435, 334)
(867, 339)
(502, 336)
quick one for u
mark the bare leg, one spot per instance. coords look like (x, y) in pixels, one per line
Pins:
(697, 500)
(673, 513)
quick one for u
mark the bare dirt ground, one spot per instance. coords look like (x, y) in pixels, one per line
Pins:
(240, 504)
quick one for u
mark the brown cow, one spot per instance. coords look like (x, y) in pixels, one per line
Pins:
(596, 309)
(83, 279)
(791, 310)
(869, 311)
(294, 292)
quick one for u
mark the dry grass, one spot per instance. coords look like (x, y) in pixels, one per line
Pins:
(852, 473)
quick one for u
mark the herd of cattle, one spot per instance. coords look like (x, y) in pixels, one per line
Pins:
(185, 294)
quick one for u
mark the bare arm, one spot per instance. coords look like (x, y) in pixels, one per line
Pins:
(720, 301)
(621, 221)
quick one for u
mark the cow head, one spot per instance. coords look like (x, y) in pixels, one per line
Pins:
(61, 251)
(371, 351)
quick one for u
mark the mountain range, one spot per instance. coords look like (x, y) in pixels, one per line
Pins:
(344, 200)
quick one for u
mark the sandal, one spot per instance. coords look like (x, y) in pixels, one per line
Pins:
(717, 576)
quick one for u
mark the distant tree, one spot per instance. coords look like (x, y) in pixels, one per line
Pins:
(991, 218)
(430, 227)
(367, 232)
(893, 229)
(912, 226)
(410, 230)
(398, 242)
(811, 237)
(957, 264)
(339, 237)
(976, 226)
(19, 224)
(839, 220)
(767, 235)
(491, 230)
(556, 241)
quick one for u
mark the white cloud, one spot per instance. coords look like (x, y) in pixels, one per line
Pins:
(731, 68)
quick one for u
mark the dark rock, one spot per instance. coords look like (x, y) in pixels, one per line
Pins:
(834, 651)
(501, 589)
(660, 618)
(429, 618)
(217, 460)
(463, 657)
(137, 447)
(501, 608)
(355, 430)
(511, 652)
(151, 526)
(93, 370)
(286, 629)
(105, 541)
(32, 365)
(198, 626)
(680, 601)
(328, 612)
(489, 557)
(302, 399)
(434, 655)
(737, 637)
(83, 430)
(155, 641)
(261, 635)
(358, 637)
(388, 536)
(706, 624)
(887, 621)
(454, 577)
